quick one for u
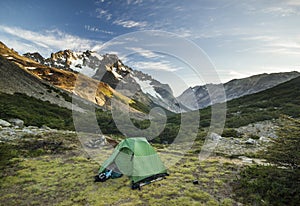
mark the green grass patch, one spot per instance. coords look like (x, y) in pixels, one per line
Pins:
(65, 177)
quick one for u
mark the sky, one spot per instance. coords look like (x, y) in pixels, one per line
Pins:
(240, 38)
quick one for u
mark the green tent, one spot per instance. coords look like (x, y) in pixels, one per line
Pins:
(137, 159)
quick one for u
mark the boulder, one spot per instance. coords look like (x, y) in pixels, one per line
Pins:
(4, 123)
(195, 182)
(215, 137)
(17, 122)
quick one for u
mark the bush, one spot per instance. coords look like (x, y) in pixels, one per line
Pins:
(268, 185)
(231, 133)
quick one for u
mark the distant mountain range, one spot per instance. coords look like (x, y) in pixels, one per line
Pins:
(99, 78)
(198, 97)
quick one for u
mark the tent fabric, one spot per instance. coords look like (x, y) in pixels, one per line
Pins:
(136, 158)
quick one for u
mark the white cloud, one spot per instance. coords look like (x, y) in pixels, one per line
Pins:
(260, 38)
(281, 47)
(103, 14)
(280, 11)
(287, 45)
(96, 29)
(130, 23)
(143, 52)
(134, 2)
(45, 42)
(279, 51)
(156, 66)
(273, 45)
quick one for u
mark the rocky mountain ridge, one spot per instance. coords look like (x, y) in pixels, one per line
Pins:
(108, 68)
(234, 89)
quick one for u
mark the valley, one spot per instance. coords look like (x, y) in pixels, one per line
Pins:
(46, 160)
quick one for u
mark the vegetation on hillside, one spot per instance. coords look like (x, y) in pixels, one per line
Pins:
(277, 183)
(266, 105)
(34, 111)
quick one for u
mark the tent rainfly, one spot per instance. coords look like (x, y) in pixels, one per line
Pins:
(137, 159)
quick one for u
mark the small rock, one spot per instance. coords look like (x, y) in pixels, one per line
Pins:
(272, 135)
(17, 122)
(45, 127)
(246, 159)
(32, 127)
(0, 127)
(89, 145)
(236, 141)
(4, 123)
(250, 141)
(264, 139)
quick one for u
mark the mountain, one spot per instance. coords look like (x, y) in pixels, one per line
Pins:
(108, 68)
(22, 74)
(234, 89)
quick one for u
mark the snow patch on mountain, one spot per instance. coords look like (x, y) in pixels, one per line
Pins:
(94, 54)
(31, 68)
(147, 88)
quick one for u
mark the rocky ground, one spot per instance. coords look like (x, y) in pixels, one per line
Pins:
(15, 129)
(253, 138)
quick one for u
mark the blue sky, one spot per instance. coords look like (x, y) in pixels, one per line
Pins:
(240, 37)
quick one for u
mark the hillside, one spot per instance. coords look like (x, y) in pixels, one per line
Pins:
(14, 79)
(266, 105)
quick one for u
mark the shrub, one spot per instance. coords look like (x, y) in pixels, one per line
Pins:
(231, 133)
